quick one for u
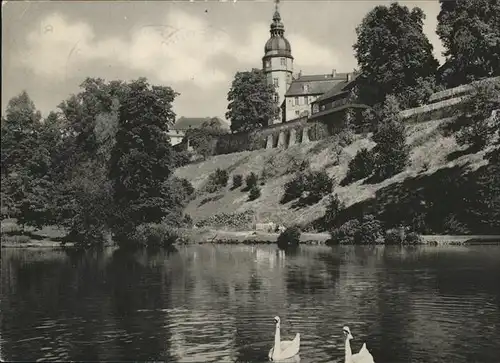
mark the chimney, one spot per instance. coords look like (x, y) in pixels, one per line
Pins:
(300, 73)
(349, 77)
(334, 73)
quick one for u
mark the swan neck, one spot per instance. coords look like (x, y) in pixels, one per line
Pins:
(348, 352)
(277, 340)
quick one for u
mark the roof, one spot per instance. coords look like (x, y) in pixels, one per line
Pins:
(336, 89)
(277, 46)
(317, 84)
(185, 123)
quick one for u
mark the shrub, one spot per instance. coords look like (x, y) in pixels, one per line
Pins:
(216, 180)
(254, 193)
(346, 233)
(370, 230)
(295, 187)
(413, 238)
(237, 181)
(361, 166)
(333, 208)
(345, 137)
(289, 238)
(393, 236)
(154, 235)
(251, 180)
(318, 184)
(187, 220)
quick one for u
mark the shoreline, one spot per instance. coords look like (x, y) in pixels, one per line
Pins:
(222, 237)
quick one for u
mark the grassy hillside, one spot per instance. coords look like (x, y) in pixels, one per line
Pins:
(432, 151)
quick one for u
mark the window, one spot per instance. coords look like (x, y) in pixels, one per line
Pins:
(268, 63)
(276, 98)
(283, 61)
(306, 100)
(296, 101)
(297, 113)
(315, 108)
(276, 82)
(305, 88)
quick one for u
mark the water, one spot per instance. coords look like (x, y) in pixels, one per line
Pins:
(217, 303)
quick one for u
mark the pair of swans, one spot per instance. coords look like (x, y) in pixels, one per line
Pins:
(287, 350)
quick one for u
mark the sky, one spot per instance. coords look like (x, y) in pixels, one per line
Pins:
(195, 47)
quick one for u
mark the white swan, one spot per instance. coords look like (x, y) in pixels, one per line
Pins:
(364, 356)
(283, 350)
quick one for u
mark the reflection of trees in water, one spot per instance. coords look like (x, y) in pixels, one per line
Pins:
(140, 299)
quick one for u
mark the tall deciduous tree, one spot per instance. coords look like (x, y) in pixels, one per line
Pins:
(142, 158)
(395, 56)
(251, 101)
(470, 32)
(391, 152)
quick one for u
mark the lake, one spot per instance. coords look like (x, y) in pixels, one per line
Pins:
(210, 303)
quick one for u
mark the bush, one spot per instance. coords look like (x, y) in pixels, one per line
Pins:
(295, 187)
(254, 193)
(289, 238)
(187, 220)
(345, 137)
(353, 231)
(345, 234)
(361, 166)
(251, 180)
(154, 235)
(393, 237)
(370, 230)
(413, 238)
(316, 183)
(333, 208)
(237, 181)
(216, 180)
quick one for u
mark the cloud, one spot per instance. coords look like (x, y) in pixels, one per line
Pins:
(180, 49)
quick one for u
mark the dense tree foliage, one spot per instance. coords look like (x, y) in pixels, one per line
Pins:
(102, 164)
(251, 101)
(395, 56)
(470, 32)
(391, 152)
(476, 121)
(204, 139)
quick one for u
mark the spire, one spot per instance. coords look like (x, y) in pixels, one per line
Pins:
(277, 27)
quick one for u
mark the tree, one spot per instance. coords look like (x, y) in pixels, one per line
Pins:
(204, 139)
(251, 101)
(27, 149)
(394, 55)
(391, 152)
(470, 32)
(142, 158)
(333, 208)
(477, 123)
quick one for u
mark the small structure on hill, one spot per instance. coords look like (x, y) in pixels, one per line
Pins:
(305, 90)
(339, 105)
(178, 131)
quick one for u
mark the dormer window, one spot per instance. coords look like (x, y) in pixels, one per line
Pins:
(305, 88)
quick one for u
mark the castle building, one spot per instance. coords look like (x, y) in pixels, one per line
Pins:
(305, 90)
(277, 62)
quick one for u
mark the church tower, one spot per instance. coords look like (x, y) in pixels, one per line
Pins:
(277, 62)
